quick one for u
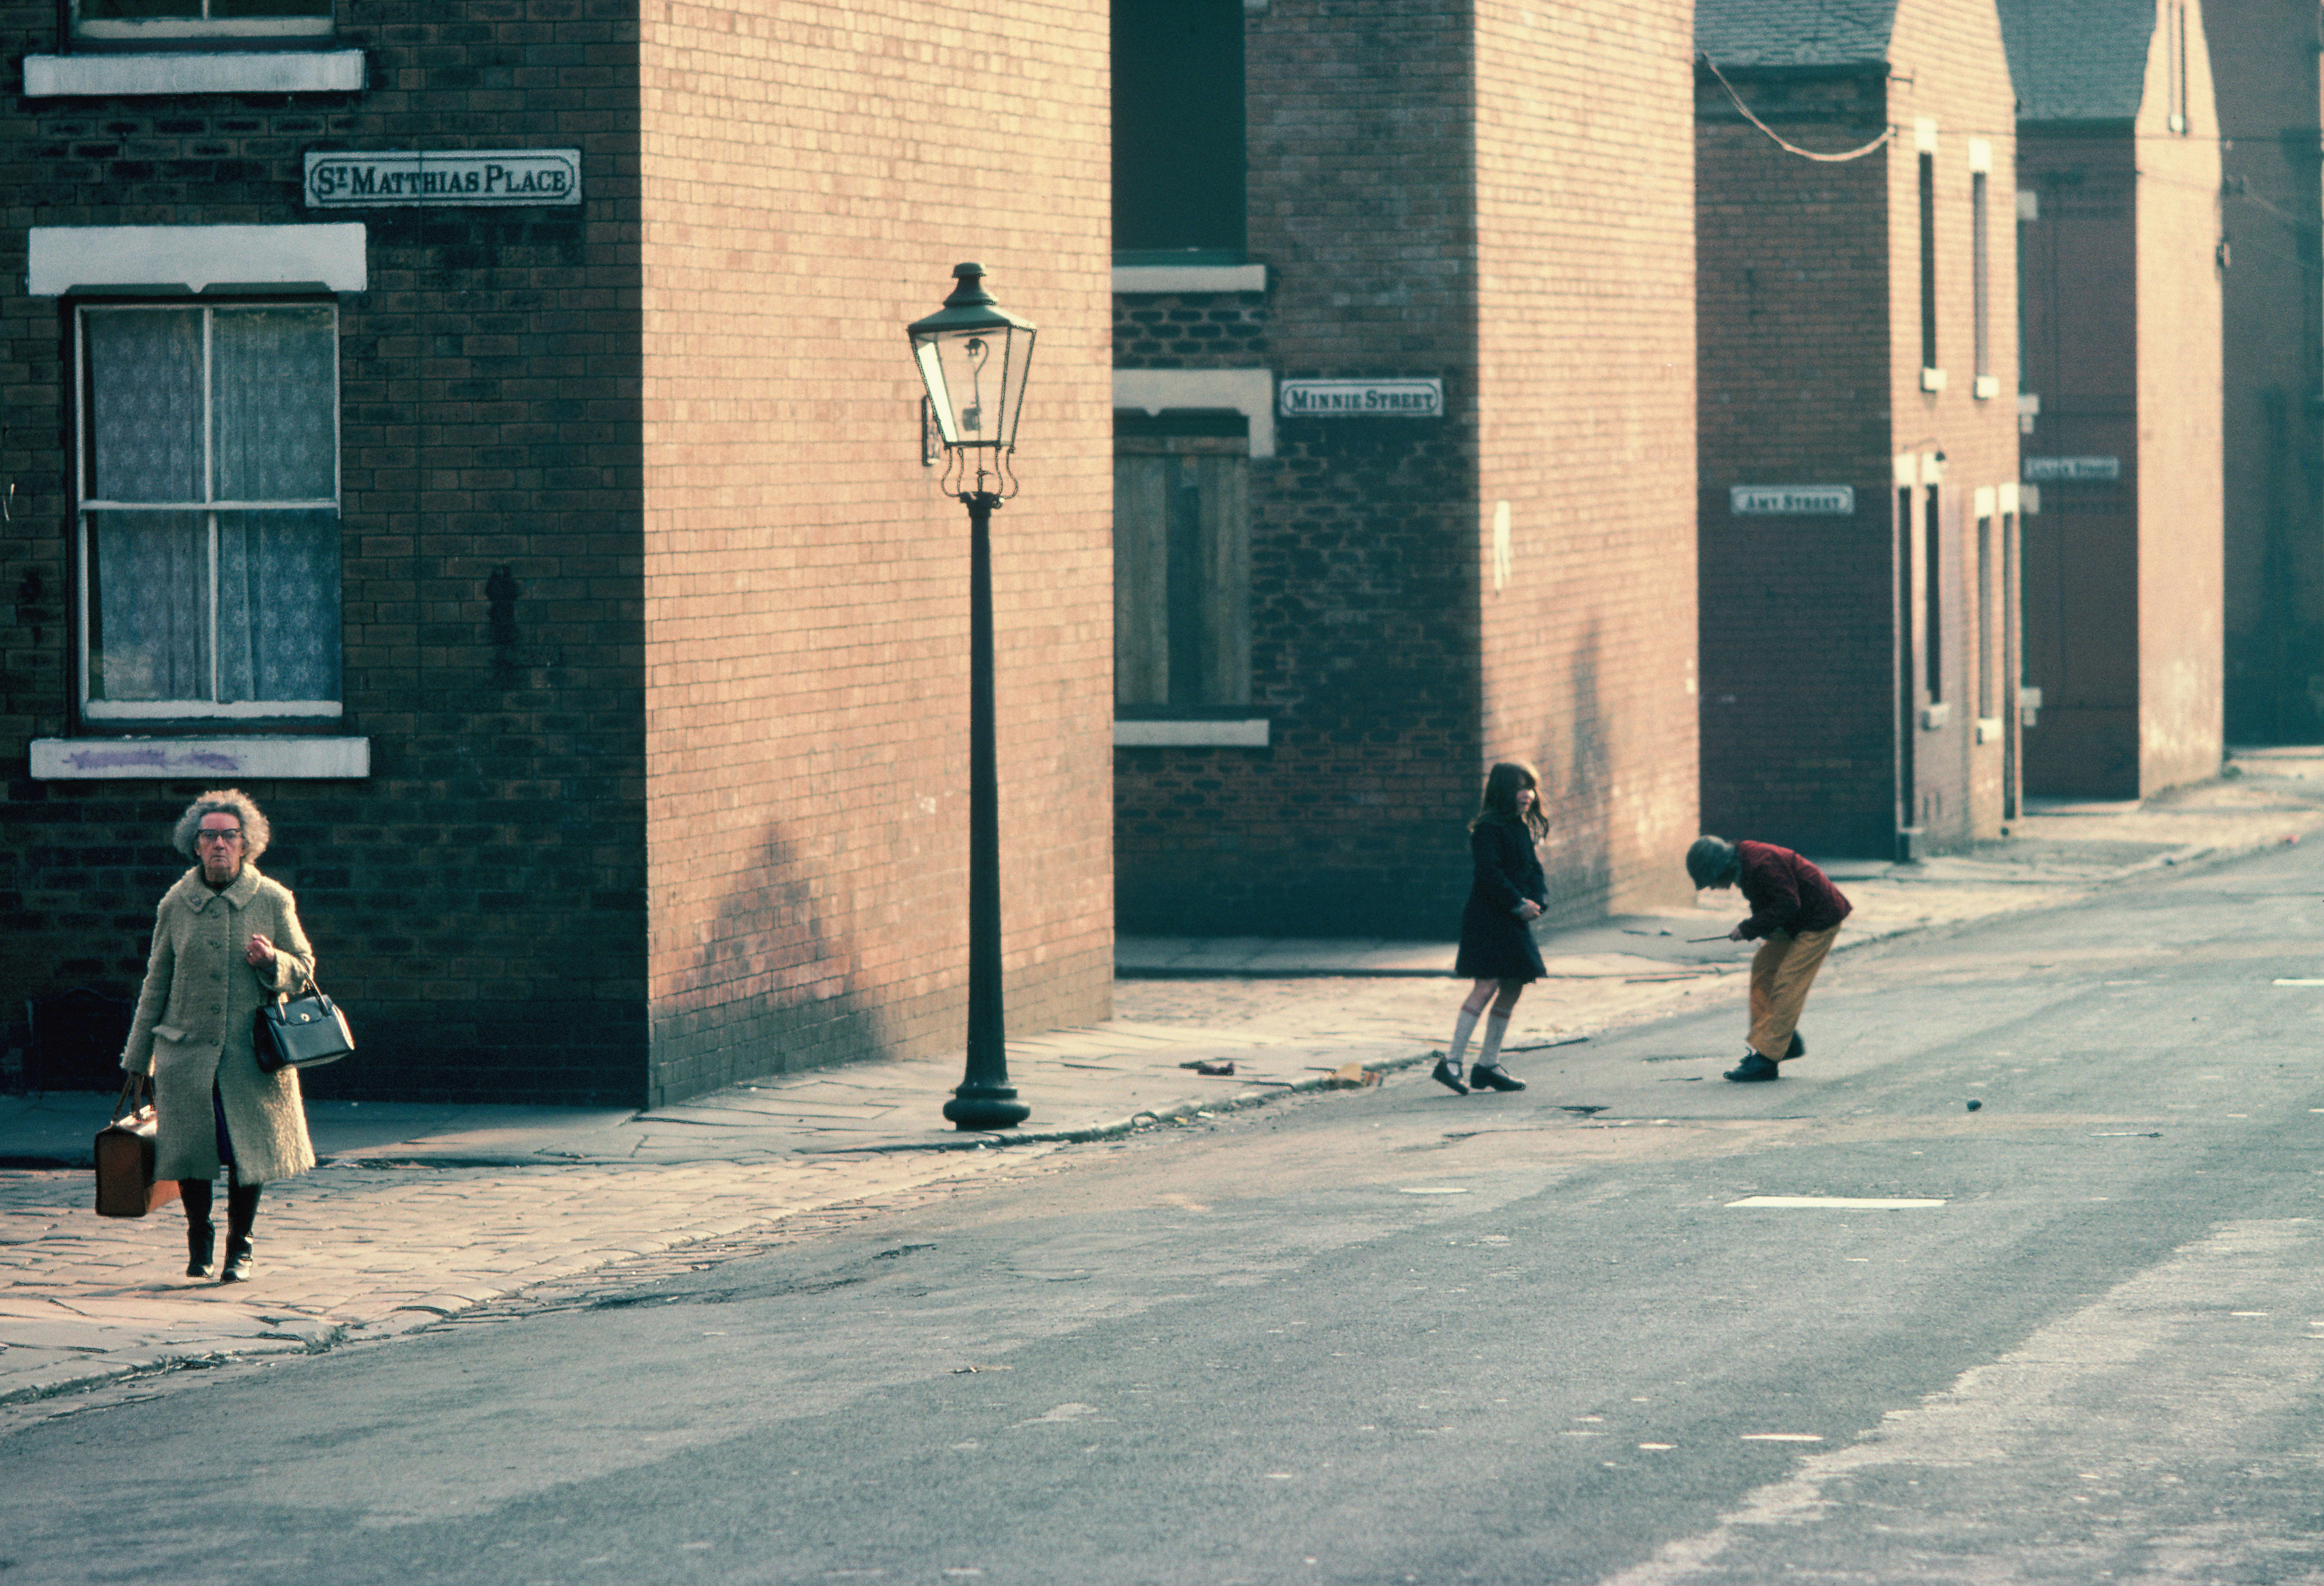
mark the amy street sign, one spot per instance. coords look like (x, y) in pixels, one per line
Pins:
(1361, 399)
(1792, 501)
(2071, 470)
(452, 179)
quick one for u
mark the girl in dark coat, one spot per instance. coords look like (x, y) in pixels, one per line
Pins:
(1496, 946)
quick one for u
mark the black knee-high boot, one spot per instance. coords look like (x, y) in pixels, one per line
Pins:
(201, 1238)
(241, 1212)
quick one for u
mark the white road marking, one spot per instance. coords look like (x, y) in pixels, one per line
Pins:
(2178, 1391)
(1782, 1437)
(2315, 982)
(1845, 1203)
(1434, 1189)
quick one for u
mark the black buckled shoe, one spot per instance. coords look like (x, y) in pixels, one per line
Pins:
(1799, 1048)
(237, 1263)
(201, 1241)
(1494, 1076)
(1449, 1076)
(1752, 1067)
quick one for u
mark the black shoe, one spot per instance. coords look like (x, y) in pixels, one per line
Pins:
(1494, 1075)
(1449, 1076)
(1799, 1048)
(1753, 1066)
(200, 1242)
(237, 1263)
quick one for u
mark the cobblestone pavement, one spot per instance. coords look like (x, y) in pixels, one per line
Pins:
(420, 1212)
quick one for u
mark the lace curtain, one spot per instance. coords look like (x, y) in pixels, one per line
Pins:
(197, 606)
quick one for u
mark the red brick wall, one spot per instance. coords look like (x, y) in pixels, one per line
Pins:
(2264, 75)
(2082, 353)
(1798, 713)
(1947, 63)
(1810, 373)
(2181, 471)
(1363, 572)
(1421, 213)
(1585, 279)
(479, 903)
(811, 174)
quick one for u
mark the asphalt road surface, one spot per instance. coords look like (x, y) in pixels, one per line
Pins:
(1398, 1336)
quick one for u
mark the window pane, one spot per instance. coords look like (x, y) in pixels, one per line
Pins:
(240, 8)
(279, 606)
(272, 384)
(146, 414)
(149, 575)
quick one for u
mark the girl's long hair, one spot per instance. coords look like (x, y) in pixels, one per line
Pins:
(1499, 803)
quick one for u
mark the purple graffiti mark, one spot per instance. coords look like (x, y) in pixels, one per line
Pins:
(106, 759)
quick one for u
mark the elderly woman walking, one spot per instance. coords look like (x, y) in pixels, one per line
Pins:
(225, 940)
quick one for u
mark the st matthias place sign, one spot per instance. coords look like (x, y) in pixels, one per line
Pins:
(449, 178)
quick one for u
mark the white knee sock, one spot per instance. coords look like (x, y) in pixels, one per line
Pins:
(1460, 1047)
(1489, 1056)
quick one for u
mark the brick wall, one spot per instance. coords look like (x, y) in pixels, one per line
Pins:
(2082, 580)
(1364, 599)
(1585, 221)
(1422, 211)
(1810, 373)
(728, 661)
(2264, 75)
(489, 408)
(811, 174)
(1798, 646)
(2182, 473)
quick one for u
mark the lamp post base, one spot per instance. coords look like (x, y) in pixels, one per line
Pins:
(986, 1107)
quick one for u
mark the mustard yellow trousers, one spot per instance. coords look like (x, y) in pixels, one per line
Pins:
(1781, 971)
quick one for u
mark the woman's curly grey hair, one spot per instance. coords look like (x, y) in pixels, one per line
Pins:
(233, 801)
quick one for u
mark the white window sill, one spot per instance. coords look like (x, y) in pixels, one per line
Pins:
(289, 71)
(214, 760)
(1933, 380)
(1987, 387)
(1190, 277)
(1244, 734)
(1933, 716)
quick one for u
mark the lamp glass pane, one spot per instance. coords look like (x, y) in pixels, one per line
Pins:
(974, 387)
(932, 375)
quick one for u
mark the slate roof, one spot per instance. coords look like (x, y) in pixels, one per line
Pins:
(1795, 33)
(2078, 59)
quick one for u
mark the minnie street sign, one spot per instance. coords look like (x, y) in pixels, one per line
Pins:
(450, 178)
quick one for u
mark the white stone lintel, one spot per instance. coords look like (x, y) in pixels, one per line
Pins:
(64, 259)
(1248, 391)
(216, 761)
(147, 74)
(1243, 734)
(1190, 277)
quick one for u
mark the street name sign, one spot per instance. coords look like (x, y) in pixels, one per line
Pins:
(495, 178)
(2071, 470)
(1792, 501)
(1361, 399)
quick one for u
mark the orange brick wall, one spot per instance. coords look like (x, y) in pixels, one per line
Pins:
(810, 174)
(2181, 483)
(1947, 63)
(1586, 393)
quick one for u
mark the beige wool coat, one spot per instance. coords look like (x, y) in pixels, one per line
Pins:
(193, 1027)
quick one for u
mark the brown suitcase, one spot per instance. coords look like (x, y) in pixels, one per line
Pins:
(125, 1185)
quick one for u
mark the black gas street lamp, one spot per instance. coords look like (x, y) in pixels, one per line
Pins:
(973, 356)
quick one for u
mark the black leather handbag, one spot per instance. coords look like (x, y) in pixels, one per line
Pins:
(305, 1031)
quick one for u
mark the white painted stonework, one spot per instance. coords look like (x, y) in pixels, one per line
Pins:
(61, 259)
(187, 759)
(290, 71)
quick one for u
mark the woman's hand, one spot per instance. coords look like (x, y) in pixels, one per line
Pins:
(258, 951)
(1529, 911)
